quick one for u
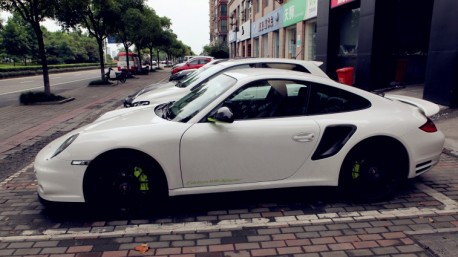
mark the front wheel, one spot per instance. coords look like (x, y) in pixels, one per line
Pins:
(370, 176)
(122, 79)
(123, 181)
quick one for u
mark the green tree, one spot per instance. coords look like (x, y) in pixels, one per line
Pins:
(73, 47)
(18, 39)
(97, 16)
(148, 30)
(126, 19)
(33, 12)
(219, 50)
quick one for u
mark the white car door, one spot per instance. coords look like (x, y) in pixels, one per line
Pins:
(259, 146)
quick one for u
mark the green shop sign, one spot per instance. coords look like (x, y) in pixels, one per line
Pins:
(294, 12)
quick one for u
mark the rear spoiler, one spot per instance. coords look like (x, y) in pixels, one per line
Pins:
(428, 108)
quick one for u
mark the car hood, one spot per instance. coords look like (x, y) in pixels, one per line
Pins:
(427, 107)
(124, 118)
(154, 87)
(162, 95)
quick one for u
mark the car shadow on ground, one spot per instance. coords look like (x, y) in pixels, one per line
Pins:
(309, 200)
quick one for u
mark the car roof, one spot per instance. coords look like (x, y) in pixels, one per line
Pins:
(271, 73)
(311, 66)
(241, 74)
(200, 57)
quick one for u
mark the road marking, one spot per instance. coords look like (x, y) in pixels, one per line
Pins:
(28, 81)
(15, 175)
(52, 85)
(450, 208)
(449, 203)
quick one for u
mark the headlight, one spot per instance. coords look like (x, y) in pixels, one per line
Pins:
(64, 145)
(140, 103)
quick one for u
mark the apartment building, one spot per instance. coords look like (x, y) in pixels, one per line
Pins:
(218, 21)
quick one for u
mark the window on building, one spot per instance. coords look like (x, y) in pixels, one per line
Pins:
(349, 27)
(223, 10)
(266, 3)
(258, 6)
(223, 25)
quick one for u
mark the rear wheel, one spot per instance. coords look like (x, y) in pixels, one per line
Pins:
(371, 176)
(123, 181)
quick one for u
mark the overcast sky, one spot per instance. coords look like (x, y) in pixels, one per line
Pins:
(190, 20)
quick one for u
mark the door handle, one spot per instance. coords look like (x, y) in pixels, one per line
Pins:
(304, 137)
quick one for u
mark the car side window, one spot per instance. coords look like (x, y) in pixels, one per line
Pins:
(194, 62)
(269, 99)
(326, 99)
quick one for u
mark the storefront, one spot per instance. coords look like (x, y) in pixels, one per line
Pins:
(294, 13)
(391, 43)
(310, 30)
(261, 28)
(244, 39)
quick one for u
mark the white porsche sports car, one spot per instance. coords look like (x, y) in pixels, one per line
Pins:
(245, 129)
(174, 91)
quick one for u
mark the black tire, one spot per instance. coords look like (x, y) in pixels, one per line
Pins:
(370, 176)
(124, 181)
(122, 79)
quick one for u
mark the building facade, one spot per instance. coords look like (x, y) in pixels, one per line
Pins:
(218, 21)
(386, 42)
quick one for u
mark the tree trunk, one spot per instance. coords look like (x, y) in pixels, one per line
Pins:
(102, 59)
(126, 48)
(151, 57)
(44, 60)
(140, 58)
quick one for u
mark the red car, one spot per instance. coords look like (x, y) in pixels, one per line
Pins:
(193, 63)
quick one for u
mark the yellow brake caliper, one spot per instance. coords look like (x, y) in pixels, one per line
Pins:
(142, 178)
(355, 170)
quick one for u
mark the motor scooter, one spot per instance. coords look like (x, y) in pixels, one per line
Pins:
(119, 76)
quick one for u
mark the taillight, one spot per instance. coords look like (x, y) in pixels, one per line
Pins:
(429, 126)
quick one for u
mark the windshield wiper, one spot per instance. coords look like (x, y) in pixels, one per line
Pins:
(167, 112)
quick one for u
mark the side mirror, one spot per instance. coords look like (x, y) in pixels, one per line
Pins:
(223, 115)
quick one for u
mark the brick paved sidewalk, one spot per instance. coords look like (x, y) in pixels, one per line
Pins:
(270, 227)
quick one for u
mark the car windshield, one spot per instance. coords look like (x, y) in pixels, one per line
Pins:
(192, 103)
(203, 72)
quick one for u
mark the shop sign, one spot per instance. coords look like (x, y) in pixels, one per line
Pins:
(294, 12)
(231, 36)
(244, 31)
(335, 3)
(268, 23)
(312, 9)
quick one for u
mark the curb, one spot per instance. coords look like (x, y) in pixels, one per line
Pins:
(66, 100)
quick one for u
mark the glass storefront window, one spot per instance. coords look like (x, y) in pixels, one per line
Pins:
(265, 45)
(256, 47)
(276, 44)
(311, 41)
(349, 28)
(291, 43)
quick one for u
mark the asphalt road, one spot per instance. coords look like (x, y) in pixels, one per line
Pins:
(11, 89)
